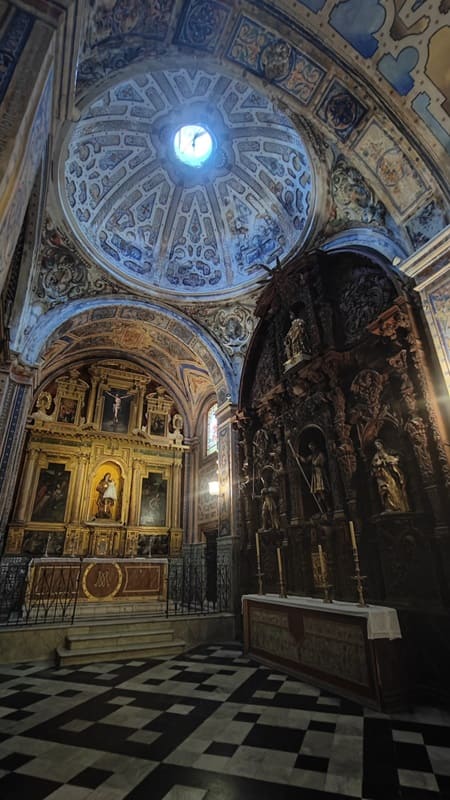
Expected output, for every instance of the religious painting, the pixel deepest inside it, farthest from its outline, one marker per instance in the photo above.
(116, 410)
(34, 543)
(153, 500)
(51, 494)
(158, 424)
(67, 410)
(148, 545)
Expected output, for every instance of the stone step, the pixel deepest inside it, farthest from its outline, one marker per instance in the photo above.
(140, 624)
(93, 655)
(76, 641)
(107, 610)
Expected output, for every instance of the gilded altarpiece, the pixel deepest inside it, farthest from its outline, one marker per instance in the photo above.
(100, 477)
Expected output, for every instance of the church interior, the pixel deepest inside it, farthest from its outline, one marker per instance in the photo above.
(224, 399)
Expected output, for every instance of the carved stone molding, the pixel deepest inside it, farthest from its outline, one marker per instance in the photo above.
(64, 275)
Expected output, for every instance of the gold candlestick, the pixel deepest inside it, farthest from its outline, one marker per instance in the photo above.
(259, 574)
(324, 575)
(281, 573)
(352, 534)
(357, 576)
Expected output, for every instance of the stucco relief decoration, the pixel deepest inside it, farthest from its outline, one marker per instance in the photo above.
(179, 228)
(202, 23)
(118, 33)
(391, 166)
(341, 110)
(369, 409)
(12, 42)
(258, 49)
(354, 200)
(439, 299)
(427, 223)
(232, 325)
(362, 294)
(63, 275)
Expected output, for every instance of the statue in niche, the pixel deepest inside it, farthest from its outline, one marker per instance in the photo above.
(390, 479)
(319, 483)
(270, 512)
(296, 341)
(107, 496)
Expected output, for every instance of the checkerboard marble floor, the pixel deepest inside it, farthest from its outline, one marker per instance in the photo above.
(210, 725)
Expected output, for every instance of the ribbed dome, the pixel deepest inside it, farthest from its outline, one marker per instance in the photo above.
(180, 227)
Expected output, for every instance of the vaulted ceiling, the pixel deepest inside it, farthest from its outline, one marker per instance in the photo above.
(329, 123)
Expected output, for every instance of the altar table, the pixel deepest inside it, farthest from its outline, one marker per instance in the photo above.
(351, 650)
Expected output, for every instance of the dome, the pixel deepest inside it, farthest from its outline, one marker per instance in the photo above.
(185, 182)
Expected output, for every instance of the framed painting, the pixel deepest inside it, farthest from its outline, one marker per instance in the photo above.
(51, 494)
(34, 543)
(158, 424)
(116, 410)
(153, 500)
(67, 410)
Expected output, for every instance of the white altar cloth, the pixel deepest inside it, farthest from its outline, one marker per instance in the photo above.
(382, 622)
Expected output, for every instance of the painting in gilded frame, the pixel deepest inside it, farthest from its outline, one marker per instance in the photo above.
(153, 500)
(67, 410)
(51, 494)
(116, 410)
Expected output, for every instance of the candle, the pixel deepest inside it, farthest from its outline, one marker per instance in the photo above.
(322, 563)
(258, 554)
(280, 564)
(352, 534)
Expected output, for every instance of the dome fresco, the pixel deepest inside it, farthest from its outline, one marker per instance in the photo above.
(182, 222)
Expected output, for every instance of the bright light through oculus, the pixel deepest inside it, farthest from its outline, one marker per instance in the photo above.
(193, 145)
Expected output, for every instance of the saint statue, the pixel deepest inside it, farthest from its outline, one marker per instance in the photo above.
(319, 479)
(390, 479)
(270, 513)
(107, 496)
(296, 341)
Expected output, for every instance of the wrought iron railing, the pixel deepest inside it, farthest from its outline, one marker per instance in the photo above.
(45, 596)
(193, 589)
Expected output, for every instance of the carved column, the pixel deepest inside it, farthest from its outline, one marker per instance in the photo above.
(228, 474)
(175, 513)
(80, 485)
(429, 269)
(15, 401)
(139, 406)
(191, 462)
(92, 399)
(23, 512)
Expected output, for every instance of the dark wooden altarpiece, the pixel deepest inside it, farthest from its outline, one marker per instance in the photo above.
(364, 373)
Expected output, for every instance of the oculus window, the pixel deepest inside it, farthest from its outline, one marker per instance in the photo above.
(193, 145)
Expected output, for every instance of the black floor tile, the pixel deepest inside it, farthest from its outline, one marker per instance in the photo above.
(316, 763)
(326, 727)
(412, 756)
(221, 749)
(15, 785)
(380, 777)
(274, 738)
(244, 717)
(91, 777)
(14, 761)
(20, 699)
(18, 716)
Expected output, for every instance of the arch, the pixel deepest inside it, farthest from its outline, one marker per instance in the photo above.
(192, 336)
